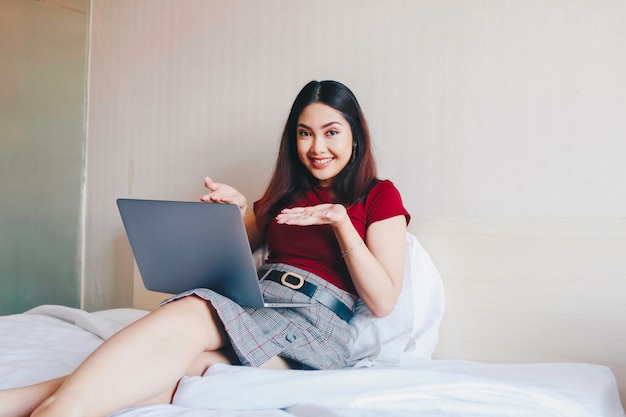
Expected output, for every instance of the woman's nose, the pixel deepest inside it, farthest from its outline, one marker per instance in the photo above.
(319, 145)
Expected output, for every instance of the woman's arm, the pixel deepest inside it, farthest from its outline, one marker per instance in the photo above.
(376, 266)
(255, 237)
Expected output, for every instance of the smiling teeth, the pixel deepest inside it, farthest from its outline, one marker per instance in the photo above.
(322, 161)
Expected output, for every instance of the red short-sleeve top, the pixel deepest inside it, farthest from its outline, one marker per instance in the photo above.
(315, 248)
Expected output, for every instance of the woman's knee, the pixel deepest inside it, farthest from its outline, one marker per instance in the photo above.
(198, 313)
(188, 307)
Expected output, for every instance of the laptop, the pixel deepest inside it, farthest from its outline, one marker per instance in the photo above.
(181, 245)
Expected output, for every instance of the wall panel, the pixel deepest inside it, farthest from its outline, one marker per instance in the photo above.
(42, 136)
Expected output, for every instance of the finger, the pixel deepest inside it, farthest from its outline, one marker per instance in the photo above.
(207, 197)
(293, 210)
(208, 183)
(297, 213)
(301, 219)
(217, 198)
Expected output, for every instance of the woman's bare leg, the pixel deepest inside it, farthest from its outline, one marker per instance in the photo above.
(20, 402)
(198, 368)
(203, 363)
(140, 363)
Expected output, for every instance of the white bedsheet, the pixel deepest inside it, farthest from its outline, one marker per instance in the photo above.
(51, 340)
(449, 387)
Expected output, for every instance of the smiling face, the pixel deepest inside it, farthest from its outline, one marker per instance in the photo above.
(324, 142)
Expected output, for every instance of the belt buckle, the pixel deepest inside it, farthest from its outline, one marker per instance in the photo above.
(283, 280)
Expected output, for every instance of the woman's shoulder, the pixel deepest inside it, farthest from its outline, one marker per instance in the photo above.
(383, 187)
(384, 201)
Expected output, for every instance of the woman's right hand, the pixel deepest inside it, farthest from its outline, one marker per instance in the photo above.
(223, 194)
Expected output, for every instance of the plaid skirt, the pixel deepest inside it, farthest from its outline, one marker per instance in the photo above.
(314, 337)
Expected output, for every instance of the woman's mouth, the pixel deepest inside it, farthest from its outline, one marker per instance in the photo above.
(320, 163)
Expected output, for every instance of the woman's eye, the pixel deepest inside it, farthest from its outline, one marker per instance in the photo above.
(303, 133)
(333, 132)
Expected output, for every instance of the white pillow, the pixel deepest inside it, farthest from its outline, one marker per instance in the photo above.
(412, 328)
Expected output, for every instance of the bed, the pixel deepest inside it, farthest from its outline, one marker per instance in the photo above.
(395, 374)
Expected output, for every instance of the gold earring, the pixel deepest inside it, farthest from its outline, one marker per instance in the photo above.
(353, 152)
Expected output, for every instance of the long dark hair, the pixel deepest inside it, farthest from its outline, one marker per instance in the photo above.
(291, 179)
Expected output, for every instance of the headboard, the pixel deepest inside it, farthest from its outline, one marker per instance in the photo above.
(531, 289)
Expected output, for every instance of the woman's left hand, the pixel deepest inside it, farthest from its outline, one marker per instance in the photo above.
(333, 214)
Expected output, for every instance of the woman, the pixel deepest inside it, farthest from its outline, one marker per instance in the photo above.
(334, 232)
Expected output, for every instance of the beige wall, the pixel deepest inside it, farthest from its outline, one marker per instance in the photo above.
(43, 74)
(500, 121)
(478, 108)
